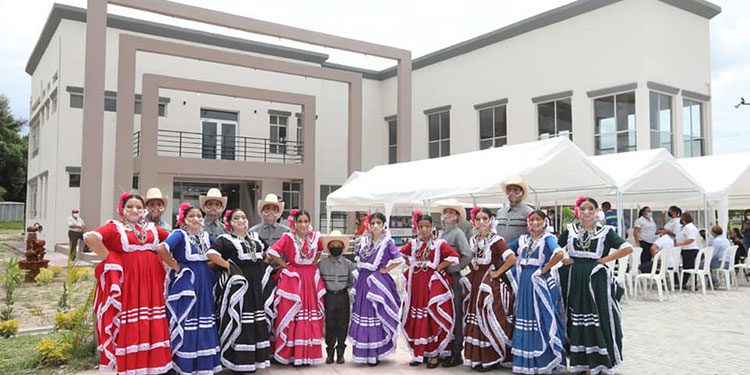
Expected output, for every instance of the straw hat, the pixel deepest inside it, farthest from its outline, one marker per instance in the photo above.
(335, 235)
(155, 193)
(271, 199)
(518, 181)
(454, 204)
(213, 194)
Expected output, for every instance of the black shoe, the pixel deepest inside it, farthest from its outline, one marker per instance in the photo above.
(415, 363)
(329, 356)
(484, 369)
(453, 361)
(340, 358)
(432, 363)
(373, 364)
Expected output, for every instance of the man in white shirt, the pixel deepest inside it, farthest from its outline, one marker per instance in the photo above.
(75, 233)
(663, 243)
(721, 245)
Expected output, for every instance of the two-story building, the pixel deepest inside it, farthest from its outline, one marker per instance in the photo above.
(613, 75)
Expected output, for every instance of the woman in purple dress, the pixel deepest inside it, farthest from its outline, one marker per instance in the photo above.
(375, 318)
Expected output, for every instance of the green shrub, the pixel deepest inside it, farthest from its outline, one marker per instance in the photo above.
(8, 328)
(45, 276)
(53, 352)
(69, 320)
(12, 278)
(57, 270)
(80, 273)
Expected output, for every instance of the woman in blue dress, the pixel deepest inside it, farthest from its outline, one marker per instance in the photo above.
(190, 297)
(539, 332)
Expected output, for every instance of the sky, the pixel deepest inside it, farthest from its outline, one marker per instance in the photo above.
(421, 26)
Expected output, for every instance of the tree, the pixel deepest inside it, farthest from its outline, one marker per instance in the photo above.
(13, 154)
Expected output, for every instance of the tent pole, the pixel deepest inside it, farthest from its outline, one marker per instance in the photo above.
(328, 221)
(705, 213)
(620, 218)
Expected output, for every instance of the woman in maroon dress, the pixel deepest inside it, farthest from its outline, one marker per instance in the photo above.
(427, 314)
(131, 325)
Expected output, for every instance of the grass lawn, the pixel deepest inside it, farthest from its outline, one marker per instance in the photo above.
(11, 227)
(18, 356)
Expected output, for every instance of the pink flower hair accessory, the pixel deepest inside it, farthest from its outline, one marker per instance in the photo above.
(578, 204)
(367, 222)
(414, 216)
(226, 221)
(121, 202)
(473, 214)
(292, 217)
(181, 212)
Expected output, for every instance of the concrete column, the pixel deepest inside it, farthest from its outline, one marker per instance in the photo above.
(93, 115)
(642, 118)
(403, 107)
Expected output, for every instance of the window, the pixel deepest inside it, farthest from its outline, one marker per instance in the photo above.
(76, 100)
(614, 123)
(279, 126)
(110, 104)
(135, 181)
(493, 127)
(661, 121)
(291, 195)
(692, 128)
(219, 131)
(439, 134)
(32, 202)
(34, 136)
(392, 141)
(162, 108)
(300, 137)
(74, 180)
(555, 118)
(338, 219)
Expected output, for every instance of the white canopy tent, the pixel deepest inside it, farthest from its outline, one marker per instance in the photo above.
(648, 178)
(555, 170)
(725, 179)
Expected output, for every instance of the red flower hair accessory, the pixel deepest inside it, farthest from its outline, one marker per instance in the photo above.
(184, 206)
(578, 203)
(473, 214)
(120, 203)
(292, 216)
(414, 216)
(227, 216)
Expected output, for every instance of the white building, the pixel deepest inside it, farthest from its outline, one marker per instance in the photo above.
(613, 75)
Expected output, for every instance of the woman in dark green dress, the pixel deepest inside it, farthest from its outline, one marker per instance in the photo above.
(591, 295)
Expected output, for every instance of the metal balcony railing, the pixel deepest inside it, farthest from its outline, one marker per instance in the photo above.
(224, 147)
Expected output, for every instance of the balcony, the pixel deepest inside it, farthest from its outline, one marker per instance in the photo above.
(223, 147)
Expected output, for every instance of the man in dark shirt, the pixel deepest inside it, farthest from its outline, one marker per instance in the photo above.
(337, 275)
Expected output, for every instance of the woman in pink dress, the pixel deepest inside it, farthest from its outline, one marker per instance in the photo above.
(298, 302)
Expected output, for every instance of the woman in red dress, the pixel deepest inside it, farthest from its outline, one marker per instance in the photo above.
(427, 314)
(131, 325)
(298, 302)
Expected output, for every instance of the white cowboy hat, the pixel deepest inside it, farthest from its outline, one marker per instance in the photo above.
(271, 199)
(213, 194)
(453, 204)
(155, 193)
(518, 181)
(335, 235)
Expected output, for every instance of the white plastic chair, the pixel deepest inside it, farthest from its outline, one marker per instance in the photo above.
(635, 261)
(621, 274)
(742, 268)
(724, 267)
(674, 258)
(700, 272)
(657, 275)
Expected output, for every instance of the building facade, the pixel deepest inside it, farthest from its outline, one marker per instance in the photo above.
(614, 76)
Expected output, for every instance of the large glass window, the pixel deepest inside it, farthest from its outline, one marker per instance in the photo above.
(279, 125)
(219, 133)
(493, 127)
(439, 134)
(661, 121)
(33, 195)
(338, 219)
(392, 142)
(34, 136)
(555, 118)
(290, 193)
(692, 128)
(614, 123)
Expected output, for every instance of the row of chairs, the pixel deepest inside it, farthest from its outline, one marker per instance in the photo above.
(667, 265)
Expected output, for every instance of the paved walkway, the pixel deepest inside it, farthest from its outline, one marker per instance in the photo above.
(688, 334)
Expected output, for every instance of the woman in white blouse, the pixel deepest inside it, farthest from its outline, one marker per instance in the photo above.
(687, 238)
(645, 233)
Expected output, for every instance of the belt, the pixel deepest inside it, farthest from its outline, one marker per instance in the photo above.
(342, 291)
